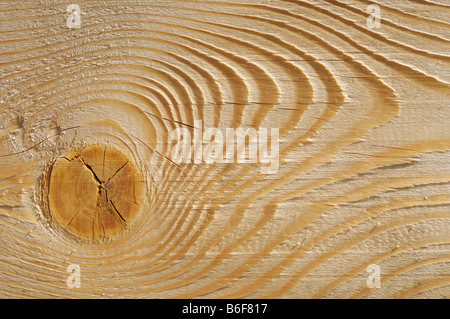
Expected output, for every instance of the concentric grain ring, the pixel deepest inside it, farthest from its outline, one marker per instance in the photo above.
(94, 194)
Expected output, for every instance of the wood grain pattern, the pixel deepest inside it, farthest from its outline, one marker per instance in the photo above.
(364, 125)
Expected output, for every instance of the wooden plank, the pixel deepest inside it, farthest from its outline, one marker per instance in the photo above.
(96, 184)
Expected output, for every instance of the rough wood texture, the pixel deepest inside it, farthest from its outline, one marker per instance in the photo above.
(364, 132)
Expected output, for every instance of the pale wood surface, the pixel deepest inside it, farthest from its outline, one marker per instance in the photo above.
(364, 146)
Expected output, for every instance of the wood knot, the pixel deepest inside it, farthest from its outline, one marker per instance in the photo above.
(94, 194)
